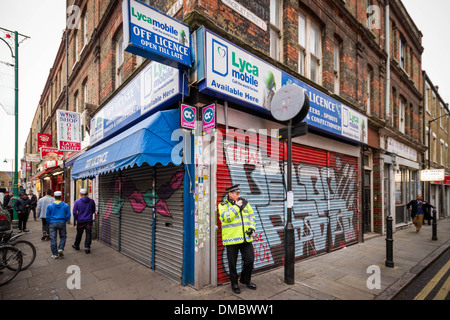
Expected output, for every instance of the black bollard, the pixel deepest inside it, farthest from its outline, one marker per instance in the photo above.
(434, 236)
(389, 243)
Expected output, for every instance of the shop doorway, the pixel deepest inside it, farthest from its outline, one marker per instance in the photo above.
(367, 202)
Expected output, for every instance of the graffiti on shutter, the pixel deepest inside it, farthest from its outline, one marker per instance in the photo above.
(325, 211)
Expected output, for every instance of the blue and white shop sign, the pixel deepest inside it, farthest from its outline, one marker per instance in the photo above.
(149, 33)
(236, 75)
(156, 87)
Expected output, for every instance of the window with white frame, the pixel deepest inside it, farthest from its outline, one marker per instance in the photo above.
(369, 94)
(310, 53)
(427, 94)
(427, 130)
(276, 26)
(434, 147)
(441, 150)
(75, 97)
(337, 68)
(76, 52)
(446, 155)
(86, 92)
(85, 30)
(401, 51)
(119, 59)
(401, 115)
(441, 114)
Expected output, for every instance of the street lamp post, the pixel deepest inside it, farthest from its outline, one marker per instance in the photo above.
(15, 55)
(429, 149)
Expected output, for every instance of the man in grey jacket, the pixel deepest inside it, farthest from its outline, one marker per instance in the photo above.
(41, 210)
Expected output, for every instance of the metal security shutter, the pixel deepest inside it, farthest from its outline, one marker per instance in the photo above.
(137, 213)
(325, 211)
(309, 184)
(109, 210)
(344, 217)
(325, 215)
(169, 221)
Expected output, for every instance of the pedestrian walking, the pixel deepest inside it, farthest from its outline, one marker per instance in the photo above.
(41, 212)
(33, 203)
(418, 209)
(83, 214)
(22, 207)
(238, 229)
(57, 215)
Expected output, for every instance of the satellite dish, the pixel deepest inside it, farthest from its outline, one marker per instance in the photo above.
(290, 102)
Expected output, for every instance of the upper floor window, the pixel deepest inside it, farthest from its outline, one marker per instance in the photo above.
(85, 29)
(402, 52)
(401, 115)
(310, 53)
(276, 29)
(119, 59)
(336, 66)
(369, 90)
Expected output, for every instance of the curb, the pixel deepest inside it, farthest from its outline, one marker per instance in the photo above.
(414, 272)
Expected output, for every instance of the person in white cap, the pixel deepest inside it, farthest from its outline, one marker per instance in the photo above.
(57, 215)
(83, 212)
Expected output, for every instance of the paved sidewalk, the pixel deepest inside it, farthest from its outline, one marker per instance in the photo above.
(342, 275)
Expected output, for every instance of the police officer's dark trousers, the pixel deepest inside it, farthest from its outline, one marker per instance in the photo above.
(248, 257)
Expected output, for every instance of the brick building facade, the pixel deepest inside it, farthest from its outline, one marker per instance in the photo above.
(341, 49)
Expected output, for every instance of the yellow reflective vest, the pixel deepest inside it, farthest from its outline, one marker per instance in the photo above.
(236, 222)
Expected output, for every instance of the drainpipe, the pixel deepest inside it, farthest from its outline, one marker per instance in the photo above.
(388, 62)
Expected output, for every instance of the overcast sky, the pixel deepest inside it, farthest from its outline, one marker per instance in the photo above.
(44, 21)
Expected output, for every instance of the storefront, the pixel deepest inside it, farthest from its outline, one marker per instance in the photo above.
(50, 177)
(402, 174)
(139, 173)
(247, 151)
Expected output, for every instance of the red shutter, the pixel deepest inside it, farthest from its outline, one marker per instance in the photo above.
(325, 192)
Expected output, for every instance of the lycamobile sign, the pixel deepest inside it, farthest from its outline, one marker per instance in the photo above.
(233, 72)
(154, 35)
(236, 75)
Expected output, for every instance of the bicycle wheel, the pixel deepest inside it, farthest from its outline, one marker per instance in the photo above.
(28, 252)
(10, 263)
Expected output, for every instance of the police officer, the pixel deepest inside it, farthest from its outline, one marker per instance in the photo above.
(238, 229)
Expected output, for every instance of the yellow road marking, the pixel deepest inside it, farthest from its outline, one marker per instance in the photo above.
(427, 289)
(443, 291)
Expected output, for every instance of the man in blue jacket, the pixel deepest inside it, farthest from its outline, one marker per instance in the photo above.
(57, 215)
(83, 212)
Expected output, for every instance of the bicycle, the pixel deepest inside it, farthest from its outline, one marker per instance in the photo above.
(10, 263)
(27, 249)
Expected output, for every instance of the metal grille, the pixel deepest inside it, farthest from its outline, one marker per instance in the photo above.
(137, 213)
(169, 221)
(325, 189)
(109, 209)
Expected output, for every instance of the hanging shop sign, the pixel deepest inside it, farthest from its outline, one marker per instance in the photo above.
(29, 157)
(209, 118)
(44, 140)
(51, 154)
(188, 117)
(156, 36)
(154, 88)
(69, 130)
(236, 75)
(432, 175)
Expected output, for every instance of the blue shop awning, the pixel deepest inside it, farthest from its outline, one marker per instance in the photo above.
(149, 141)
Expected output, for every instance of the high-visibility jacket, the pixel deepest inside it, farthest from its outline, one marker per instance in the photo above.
(236, 222)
